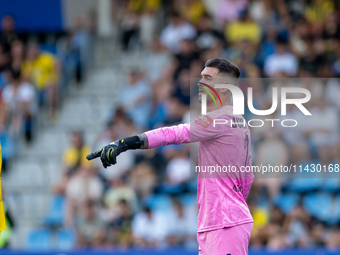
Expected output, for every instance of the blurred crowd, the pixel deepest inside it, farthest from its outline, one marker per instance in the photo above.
(148, 198)
(35, 72)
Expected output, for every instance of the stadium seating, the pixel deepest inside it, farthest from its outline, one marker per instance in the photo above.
(287, 201)
(332, 181)
(305, 181)
(39, 239)
(319, 205)
(55, 216)
(334, 218)
(65, 239)
(159, 202)
(188, 199)
(6, 146)
(192, 185)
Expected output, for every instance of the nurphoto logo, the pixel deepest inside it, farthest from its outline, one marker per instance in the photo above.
(239, 102)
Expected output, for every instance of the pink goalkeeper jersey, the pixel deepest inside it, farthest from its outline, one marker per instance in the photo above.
(225, 150)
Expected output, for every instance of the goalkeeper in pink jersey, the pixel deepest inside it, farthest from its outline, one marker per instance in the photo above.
(224, 221)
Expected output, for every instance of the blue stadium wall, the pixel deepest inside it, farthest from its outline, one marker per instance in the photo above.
(34, 15)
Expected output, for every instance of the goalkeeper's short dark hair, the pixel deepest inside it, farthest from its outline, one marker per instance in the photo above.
(226, 68)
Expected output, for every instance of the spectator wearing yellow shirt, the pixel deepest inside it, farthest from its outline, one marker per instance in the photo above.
(319, 10)
(192, 10)
(73, 158)
(243, 29)
(41, 69)
(143, 5)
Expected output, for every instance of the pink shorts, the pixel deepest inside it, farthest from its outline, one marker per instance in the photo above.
(225, 241)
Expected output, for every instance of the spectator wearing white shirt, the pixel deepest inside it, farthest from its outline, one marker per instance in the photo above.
(158, 59)
(135, 99)
(150, 228)
(175, 32)
(281, 61)
(20, 105)
(84, 186)
(183, 226)
(178, 169)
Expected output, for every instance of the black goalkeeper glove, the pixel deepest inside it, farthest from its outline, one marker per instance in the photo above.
(108, 154)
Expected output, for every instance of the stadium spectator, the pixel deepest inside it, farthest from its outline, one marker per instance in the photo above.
(243, 29)
(178, 168)
(261, 220)
(274, 152)
(80, 46)
(90, 228)
(318, 10)
(161, 92)
(119, 125)
(295, 138)
(176, 31)
(272, 234)
(318, 234)
(158, 59)
(119, 191)
(182, 87)
(4, 64)
(185, 57)
(208, 37)
(8, 35)
(129, 27)
(120, 229)
(19, 106)
(262, 11)
(42, 70)
(83, 186)
(17, 55)
(149, 228)
(281, 61)
(322, 136)
(182, 226)
(229, 10)
(143, 179)
(73, 158)
(332, 241)
(332, 90)
(135, 99)
(148, 24)
(192, 10)
(297, 227)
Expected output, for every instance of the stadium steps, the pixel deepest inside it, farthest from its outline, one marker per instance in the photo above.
(27, 185)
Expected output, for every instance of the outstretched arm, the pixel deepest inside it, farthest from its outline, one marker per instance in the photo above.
(182, 133)
(148, 140)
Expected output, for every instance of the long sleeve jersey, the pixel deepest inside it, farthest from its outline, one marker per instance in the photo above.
(224, 171)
